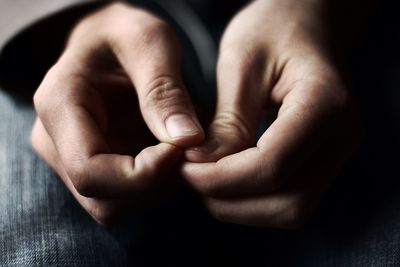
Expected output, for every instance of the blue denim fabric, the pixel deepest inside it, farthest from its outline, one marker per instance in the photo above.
(358, 223)
(40, 223)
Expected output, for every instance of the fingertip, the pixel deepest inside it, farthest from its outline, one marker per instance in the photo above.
(155, 159)
(167, 150)
(127, 165)
(206, 152)
(183, 130)
(187, 141)
(192, 155)
(197, 156)
(202, 177)
(190, 170)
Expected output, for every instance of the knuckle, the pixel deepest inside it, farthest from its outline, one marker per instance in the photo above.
(155, 28)
(208, 187)
(232, 56)
(245, 58)
(295, 216)
(35, 138)
(326, 89)
(207, 184)
(81, 181)
(270, 174)
(232, 124)
(39, 98)
(218, 212)
(117, 6)
(166, 94)
(37, 101)
(147, 169)
(43, 99)
(148, 30)
(141, 27)
(103, 214)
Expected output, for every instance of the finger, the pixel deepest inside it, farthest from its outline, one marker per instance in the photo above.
(242, 93)
(289, 206)
(82, 147)
(285, 211)
(299, 129)
(149, 52)
(102, 211)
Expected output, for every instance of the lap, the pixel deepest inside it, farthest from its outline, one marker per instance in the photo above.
(40, 223)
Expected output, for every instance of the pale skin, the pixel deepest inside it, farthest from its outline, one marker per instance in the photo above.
(275, 181)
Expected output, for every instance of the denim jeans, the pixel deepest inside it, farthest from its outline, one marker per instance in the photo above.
(357, 224)
(42, 225)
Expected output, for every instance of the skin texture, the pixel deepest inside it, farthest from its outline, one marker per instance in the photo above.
(273, 55)
(110, 114)
(115, 88)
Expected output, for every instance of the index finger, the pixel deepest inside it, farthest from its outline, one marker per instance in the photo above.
(83, 149)
(298, 130)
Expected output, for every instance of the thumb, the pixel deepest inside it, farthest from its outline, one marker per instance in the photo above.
(151, 57)
(240, 102)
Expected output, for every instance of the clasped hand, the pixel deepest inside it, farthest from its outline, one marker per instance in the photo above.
(117, 88)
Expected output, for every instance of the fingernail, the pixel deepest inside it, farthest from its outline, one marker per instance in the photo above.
(181, 125)
(208, 147)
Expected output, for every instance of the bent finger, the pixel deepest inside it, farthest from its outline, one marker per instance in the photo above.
(299, 130)
(149, 52)
(102, 211)
(83, 149)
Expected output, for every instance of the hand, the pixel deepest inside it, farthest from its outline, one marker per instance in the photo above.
(273, 54)
(120, 63)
